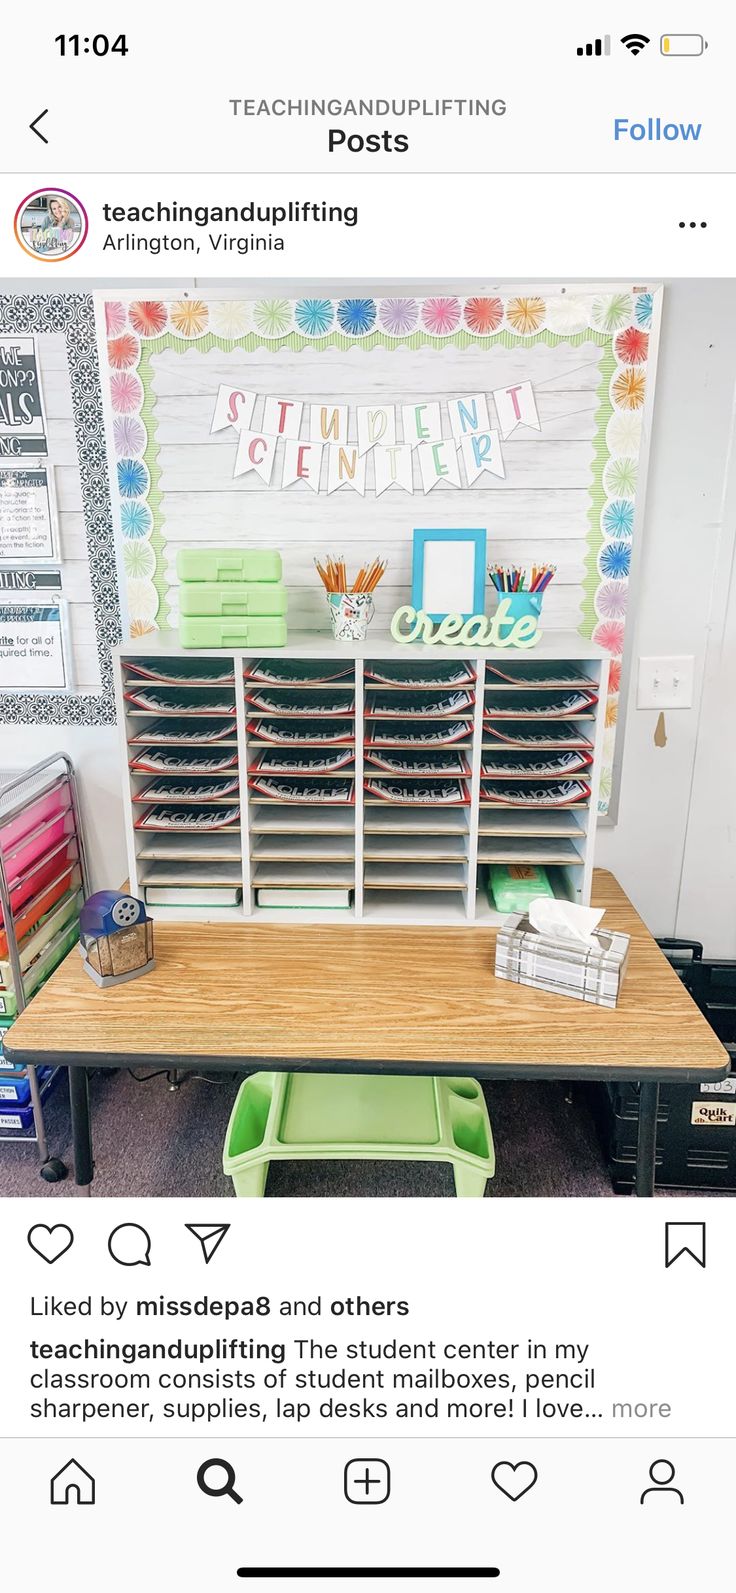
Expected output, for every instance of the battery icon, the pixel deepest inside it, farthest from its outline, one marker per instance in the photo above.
(682, 44)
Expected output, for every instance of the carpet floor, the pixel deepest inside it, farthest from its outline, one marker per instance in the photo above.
(149, 1140)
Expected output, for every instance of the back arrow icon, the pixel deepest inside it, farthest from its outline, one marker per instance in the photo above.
(34, 126)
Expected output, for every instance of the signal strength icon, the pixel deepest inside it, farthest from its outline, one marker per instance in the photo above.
(596, 46)
(634, 42)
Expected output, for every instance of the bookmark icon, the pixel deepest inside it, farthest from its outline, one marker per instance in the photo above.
(210, 1236)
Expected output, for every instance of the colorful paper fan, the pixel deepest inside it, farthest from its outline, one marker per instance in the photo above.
(126, 393)
(139, 559)
(619, 478)
(314, 316)
(440, 316)
(610, 599)
(132, 478)
(483, 315)
(398, 316)
(115, 318)
(129, 435)
(614, 674)
(609, 634)
(568, 313)
(142, 600)
(272, 316)
(189, 317)
(628, 388)
(123, 351)
(614, 560)
(612, 312)
(632, 346)
(356, 316)
(230, 317)
(148, 317)
(136, 519)
(617, 519)
(611, 711)
(623, 433)
(140, 627)
(525, 315)
(644, 309)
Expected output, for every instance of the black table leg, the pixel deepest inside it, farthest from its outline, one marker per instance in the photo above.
(646, 1147)
(81, 1127)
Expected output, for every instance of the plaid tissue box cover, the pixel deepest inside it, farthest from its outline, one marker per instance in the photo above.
(588, 973)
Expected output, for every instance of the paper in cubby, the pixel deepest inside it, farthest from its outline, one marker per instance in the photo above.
(420, 676)
(266, 819)
(209, 846)
(295, 672)
(203, 701)
(538, 704)
(530, 766)
(537, 672)
(411, 847)
(302, 790)
(185, 733)
(395, 733)
(153, 760)
(183, 788)
(309, 847)
(549, 737)
(528, 849)
(382, 819)
(543, 821)
(511, 794)
(420, 705)
(214, 871)
(302, 733)
(191, 819)
(425, 876)
(301, 873)
(408, 763)
(183, 671)
(290, 701)
(431, 792)
(310, 761)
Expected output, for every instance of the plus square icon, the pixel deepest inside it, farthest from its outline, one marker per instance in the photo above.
(367, 1482)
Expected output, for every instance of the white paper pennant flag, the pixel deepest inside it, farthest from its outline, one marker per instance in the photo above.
(233, 407)
(394, 467)
(375, 426)
(282, 417)
(255, 452)
(422, 423)
(302, 462)
(482, 452)
(438, 462)
(516, 406)
(328, 423)
(345, 468)
(468, 415)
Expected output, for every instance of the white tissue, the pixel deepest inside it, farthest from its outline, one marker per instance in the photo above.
(560, 920)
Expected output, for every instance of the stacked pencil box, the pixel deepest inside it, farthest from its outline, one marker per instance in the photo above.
(231, 597)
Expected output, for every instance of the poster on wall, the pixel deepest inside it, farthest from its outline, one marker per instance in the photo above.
(27, 513)
(22, 419)
(32, 654)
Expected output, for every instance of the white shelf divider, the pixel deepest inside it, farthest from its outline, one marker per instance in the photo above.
(474, 809)
(359, 724)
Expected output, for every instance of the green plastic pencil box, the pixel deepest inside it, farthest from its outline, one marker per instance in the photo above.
(206, 600)
(239, 631)
(511, 887)
(228, 564)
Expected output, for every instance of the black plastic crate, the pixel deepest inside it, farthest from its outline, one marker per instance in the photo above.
(696, 1123)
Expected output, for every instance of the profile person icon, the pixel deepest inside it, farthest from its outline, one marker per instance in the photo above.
(662, 1474)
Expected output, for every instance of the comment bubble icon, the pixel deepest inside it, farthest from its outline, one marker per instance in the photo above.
(130, 1245)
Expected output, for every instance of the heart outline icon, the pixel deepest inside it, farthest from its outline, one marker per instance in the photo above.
(59, 1247)
(509, 1468)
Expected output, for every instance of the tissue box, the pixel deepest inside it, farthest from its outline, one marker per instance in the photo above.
(589, 974)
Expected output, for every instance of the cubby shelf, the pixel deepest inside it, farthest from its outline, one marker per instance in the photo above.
(412, 862)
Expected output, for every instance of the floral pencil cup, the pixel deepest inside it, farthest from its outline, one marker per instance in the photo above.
(351, 614)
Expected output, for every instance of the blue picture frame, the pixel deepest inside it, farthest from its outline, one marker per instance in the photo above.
(478, 539)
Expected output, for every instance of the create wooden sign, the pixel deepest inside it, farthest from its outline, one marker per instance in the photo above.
(504, 629)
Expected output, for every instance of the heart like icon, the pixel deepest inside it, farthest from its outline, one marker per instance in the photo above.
(50, 1243)
(514, 1478)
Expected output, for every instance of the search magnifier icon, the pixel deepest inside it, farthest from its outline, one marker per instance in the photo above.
(221, 1485)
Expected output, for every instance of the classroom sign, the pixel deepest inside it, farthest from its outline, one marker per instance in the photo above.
(26, 514)
(329, 448)
(22, 420)
(31, 648)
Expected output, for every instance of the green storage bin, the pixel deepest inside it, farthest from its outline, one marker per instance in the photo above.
(228, 564)
(204, 598)
(237, 632)
(512, 886)
(358, 1116)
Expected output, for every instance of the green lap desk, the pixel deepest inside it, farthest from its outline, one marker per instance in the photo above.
(364, 1117)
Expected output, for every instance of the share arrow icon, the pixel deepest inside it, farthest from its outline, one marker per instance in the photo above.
(210, 1236)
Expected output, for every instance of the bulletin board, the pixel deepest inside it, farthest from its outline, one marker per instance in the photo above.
(560, 479)
(68, 592)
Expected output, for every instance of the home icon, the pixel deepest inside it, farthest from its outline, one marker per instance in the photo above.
(72, 1485)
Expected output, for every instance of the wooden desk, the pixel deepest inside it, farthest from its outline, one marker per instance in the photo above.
(369, 999)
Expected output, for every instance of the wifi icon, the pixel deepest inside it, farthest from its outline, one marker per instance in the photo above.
(634, 42)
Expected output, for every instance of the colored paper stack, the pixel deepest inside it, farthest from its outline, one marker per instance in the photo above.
(231, 597)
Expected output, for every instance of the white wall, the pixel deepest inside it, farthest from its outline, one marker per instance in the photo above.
(674, 845)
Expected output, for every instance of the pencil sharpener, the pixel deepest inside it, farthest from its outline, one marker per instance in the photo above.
(115, 938)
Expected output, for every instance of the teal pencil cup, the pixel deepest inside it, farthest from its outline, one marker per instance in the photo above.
(522, 604)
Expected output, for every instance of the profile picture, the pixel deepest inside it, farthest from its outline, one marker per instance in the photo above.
(51, 224)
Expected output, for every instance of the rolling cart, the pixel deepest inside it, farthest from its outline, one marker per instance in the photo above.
(43, 879)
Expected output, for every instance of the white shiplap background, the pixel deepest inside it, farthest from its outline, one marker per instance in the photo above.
(71, 541)
(540, 511)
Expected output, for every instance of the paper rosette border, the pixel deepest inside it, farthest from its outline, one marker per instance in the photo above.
(619, 322)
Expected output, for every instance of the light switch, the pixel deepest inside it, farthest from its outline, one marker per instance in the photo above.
(665, 683)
